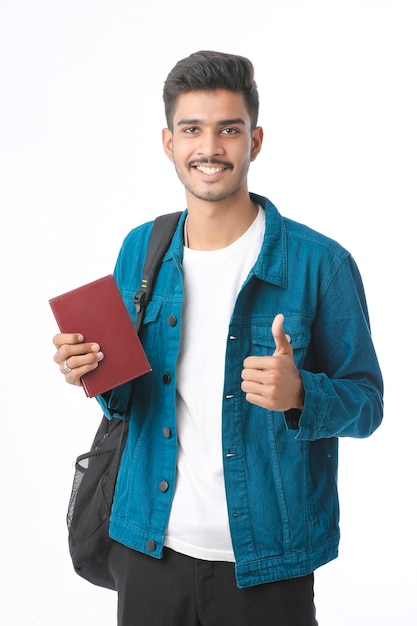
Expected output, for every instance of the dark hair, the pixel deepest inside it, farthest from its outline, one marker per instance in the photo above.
(207, 71)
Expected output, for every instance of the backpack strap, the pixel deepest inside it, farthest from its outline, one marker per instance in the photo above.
(162, 231)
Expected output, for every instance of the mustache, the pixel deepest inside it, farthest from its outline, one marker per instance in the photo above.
(225, 164)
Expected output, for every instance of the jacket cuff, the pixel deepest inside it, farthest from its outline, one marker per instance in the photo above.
(115, 403)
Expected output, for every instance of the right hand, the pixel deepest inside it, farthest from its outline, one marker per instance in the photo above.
(80, 357)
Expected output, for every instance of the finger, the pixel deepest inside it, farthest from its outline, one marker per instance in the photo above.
(258, 394)
(251, 375)
(282, 345)
(260, 370)
(254, 398)
(74, 362)
(66, 350)
(67, 338)
(74, 376)
(261, 363)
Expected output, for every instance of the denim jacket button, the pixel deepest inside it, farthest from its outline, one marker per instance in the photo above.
(166, 379)
(150, 545)
(172, 320)
(163, 486)
(167, 432)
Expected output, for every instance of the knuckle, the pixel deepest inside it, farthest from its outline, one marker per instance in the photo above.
(65, 351)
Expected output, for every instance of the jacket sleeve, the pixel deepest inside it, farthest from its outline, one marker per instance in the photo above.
(344, 389)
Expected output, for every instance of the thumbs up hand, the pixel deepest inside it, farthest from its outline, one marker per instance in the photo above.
(274, 382)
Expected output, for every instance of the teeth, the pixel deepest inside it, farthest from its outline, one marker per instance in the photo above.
(209, 170)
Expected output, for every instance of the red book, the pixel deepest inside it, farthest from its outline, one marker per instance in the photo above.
(98, 312)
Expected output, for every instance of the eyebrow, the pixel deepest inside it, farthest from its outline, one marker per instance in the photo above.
(196, 121)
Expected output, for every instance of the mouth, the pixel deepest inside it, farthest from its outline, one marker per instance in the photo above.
(209, 171)
(209, 168)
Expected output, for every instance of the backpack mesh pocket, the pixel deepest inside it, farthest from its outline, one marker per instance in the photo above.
(92, 491)
(94, 480)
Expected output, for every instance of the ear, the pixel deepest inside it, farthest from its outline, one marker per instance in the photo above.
(257, 138)
(167, 143)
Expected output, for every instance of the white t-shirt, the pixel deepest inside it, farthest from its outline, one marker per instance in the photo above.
(198, 524)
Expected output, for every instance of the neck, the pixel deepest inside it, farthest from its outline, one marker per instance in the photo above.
(215, 225)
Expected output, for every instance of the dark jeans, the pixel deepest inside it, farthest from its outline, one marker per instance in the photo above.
(182, 591)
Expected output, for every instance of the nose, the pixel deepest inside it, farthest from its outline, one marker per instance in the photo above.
(210, 144)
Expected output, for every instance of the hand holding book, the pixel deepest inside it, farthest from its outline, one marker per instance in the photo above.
(97, 311)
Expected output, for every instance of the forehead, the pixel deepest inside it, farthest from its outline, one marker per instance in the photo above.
(210, 106)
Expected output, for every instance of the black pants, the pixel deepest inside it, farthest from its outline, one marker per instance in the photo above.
(182, 591)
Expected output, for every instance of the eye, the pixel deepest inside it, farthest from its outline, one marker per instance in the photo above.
(191, 130)
(230, 131)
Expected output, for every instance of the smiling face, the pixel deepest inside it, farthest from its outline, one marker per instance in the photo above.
(212, 144)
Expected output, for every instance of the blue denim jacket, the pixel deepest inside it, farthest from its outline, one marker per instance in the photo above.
(280, 472)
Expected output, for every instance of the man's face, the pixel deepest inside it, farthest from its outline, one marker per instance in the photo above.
(211, 143)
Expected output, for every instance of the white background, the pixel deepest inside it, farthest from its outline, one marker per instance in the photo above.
(81, 163)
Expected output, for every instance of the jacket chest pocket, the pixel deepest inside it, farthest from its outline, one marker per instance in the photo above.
(297, 330)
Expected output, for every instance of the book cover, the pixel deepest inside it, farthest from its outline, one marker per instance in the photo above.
(97, 311)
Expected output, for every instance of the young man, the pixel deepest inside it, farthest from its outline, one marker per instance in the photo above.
(261, 354)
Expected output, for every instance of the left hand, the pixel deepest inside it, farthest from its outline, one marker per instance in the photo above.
(274, 382)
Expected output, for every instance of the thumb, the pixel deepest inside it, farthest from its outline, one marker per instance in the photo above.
(282, 345)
